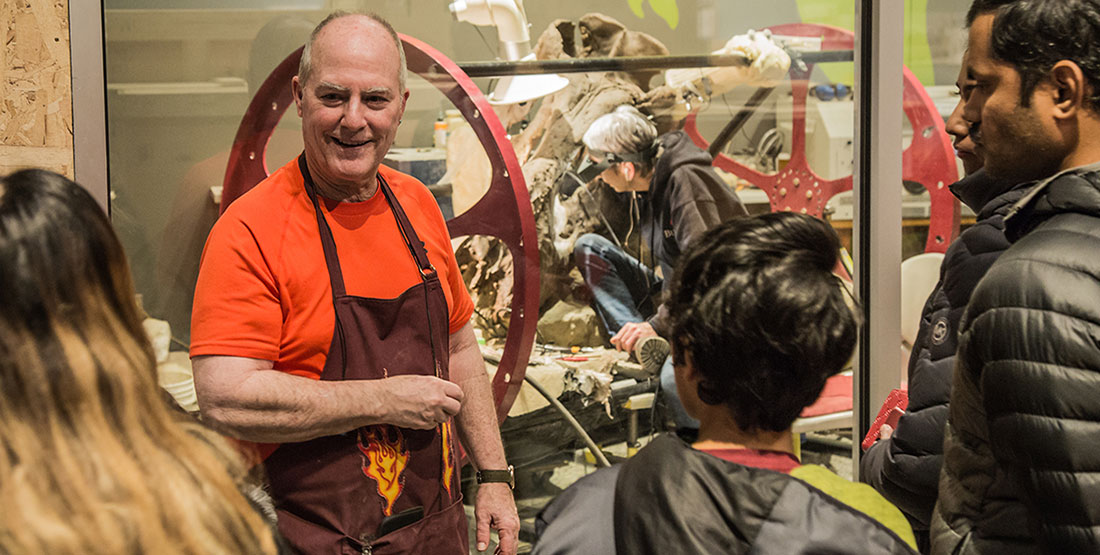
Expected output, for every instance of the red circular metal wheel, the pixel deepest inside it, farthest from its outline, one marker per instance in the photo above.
(929, 159)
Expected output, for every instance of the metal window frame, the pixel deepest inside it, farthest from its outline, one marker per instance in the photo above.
(89, 86)
(878, 197)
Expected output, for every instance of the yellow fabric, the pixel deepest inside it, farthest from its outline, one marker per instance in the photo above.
(860, 497)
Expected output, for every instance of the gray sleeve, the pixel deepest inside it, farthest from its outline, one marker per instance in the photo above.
(660, 322)
(580, 519)
(872, 462)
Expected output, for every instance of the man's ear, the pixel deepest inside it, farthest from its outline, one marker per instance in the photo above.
(628, 170)
(1069, 88)
(296, 92)
(690, 371)
(404, 103)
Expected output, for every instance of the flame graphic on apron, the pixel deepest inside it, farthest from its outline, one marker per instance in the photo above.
(448, 457)
(384, 461)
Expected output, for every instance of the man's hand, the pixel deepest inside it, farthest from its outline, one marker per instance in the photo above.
(885, 431)
(630, 333)
(495, 508)
(419, 402)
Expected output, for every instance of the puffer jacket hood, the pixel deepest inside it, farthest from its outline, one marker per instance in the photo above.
(1072, 191)
(978, 191)
(675, 150)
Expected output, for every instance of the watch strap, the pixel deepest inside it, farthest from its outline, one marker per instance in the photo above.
(496, 476)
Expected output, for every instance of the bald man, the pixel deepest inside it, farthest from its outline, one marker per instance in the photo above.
(331, 326)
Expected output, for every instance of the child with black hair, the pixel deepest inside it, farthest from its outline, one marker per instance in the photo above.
(759, 324)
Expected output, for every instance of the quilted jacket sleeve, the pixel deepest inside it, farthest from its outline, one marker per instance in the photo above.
(1041, 384)
(906, 467)
(1025, 431)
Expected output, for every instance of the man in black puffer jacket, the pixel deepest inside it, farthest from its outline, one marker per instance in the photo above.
(1020, 458)
(905, 467)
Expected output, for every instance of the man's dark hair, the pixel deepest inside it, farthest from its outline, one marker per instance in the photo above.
(765, 320)
(1033, 35)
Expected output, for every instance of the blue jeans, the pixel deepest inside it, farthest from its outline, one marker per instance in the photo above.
(622, 286)
(624, 290)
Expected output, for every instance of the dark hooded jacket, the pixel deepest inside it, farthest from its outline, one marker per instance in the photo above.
(906, 467)
(1021, 456)
(671, 499)
(685, 199)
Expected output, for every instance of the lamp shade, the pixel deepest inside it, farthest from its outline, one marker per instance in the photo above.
(521, 88)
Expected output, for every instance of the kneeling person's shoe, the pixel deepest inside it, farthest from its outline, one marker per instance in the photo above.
(651, 352)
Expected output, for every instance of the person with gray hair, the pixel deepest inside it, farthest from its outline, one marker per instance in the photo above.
(681, 198)
(623, 132)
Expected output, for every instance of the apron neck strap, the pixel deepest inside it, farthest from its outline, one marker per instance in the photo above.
(412, 240)
(328, 243)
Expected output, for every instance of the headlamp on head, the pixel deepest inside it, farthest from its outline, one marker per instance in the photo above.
(594, 163)
(587, 170)
(612, 158)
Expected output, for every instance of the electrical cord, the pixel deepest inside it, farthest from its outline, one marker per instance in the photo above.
(741, 131)
(603, 218)
(492, 51)
(648, 282)
(632, 214)
(601, 459)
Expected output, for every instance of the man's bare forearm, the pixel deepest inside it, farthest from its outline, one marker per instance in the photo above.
(477, 422)
(247, 399)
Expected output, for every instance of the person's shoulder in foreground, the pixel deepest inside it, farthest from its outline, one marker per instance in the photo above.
(671, 498)
(759, 291)
(1037, 389)
(91, 452)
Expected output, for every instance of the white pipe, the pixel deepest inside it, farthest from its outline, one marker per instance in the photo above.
(506, 15)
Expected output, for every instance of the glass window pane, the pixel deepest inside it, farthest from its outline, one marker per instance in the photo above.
(181, 75)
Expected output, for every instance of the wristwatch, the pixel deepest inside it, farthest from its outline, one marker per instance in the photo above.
(493, 476)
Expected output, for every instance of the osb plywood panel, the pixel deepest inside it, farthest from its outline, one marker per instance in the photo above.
(36, 121)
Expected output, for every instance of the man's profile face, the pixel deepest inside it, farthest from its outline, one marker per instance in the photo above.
(959, 129)
(1016, 141)
(351, 104)
(615, 179)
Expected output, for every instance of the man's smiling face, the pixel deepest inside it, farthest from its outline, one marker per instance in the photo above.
(351, 103)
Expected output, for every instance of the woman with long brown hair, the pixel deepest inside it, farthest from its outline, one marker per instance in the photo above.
(92, 458)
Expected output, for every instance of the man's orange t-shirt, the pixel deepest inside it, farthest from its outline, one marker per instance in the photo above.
(263, 290)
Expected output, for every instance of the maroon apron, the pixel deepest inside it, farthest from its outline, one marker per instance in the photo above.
(333, 492)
